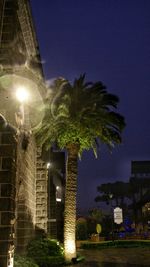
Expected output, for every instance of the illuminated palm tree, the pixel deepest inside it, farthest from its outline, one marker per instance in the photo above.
(78, 117)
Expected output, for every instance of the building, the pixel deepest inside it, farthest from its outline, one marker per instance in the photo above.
(23, 173)
(140, 177)
(56, 183)
(140, 169)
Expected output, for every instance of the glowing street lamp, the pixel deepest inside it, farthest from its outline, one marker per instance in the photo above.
(48, 165)
(22, 96)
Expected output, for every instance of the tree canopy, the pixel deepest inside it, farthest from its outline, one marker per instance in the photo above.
(80, 113)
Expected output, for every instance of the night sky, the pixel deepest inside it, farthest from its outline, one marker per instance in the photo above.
(109, 40)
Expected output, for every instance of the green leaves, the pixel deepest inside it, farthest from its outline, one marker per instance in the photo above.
(80, 113)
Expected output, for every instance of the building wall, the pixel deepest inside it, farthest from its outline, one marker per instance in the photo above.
(41, 194)
(52, 220)
(8, 148)
(23, 175)
(56, 184)
(140, 169)
(26, 193)
(11, 41)
(18, 184)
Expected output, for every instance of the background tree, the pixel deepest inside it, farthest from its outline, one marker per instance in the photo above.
(118, 191)
(130, 196)
(96, 214)
(78, 116)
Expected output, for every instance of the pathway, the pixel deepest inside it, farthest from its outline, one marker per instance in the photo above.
(116, 257)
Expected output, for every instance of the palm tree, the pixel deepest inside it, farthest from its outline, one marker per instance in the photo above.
(78, 117)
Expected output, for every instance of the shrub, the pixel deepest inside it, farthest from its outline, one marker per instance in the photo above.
(81, 229)
(21, 261)
(45, 252)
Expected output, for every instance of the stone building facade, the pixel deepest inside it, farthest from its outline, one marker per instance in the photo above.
(8, 149)
(23, 174)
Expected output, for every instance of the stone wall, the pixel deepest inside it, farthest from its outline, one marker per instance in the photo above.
(17, 191)
(23, 191)
(26, 192)
(8, 149)
(23, 174)
(52, 222)
(41, 194)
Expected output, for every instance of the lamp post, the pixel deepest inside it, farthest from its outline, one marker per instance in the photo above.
(112, 218)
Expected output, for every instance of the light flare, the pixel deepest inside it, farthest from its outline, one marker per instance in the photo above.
(70, 248)
(22, 94)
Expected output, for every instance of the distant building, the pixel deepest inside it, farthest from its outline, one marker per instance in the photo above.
(140, 175)
(56, 182)
(140, 169)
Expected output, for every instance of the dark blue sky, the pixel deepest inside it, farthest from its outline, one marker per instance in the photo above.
(109, 40)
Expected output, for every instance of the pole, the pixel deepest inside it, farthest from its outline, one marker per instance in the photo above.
(112, 221)
(112, 217)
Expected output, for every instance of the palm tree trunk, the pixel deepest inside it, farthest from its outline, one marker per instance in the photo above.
(70, 202)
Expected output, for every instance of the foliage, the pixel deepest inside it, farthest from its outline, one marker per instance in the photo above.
(106, 225)
(81, 229)
(80, 113)
(116, 243)
(137, 191)
(91, 226)
(96, 214)
(95, 217)
(21, 261)
(78, 117)
(118, 190)
(45, 252)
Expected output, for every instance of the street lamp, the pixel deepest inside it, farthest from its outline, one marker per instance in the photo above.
(112, 217)
(22, 96)
(48, 165)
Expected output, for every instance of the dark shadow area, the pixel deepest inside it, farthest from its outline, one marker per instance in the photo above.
(106, 264)
(115, 264)
(115, 257)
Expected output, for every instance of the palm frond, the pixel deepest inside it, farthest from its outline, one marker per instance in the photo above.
(80, 113)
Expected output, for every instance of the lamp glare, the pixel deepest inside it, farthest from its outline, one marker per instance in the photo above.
(22, 94)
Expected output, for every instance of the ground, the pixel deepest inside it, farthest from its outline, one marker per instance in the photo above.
(116, 257)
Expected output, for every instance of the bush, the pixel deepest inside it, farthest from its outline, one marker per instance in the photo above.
(20, 261)
(45, 252)
(81, 229)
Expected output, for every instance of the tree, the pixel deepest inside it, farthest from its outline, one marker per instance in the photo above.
(118, 190)
(81, 229)
(78, 117)
(96, 214)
